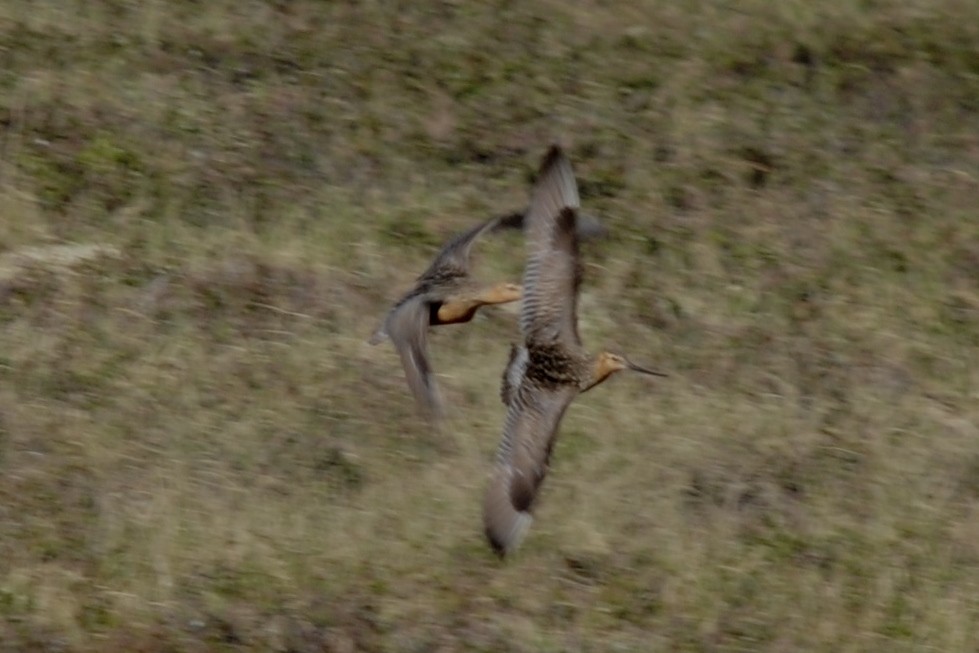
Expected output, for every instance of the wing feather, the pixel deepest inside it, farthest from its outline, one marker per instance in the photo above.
(589, 227)
(529, 432)
(552, 278)
(407, 326)
(455, 255)
(553, 271)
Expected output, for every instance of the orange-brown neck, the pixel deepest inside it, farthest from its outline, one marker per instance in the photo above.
(501, 293)
(455, 311)
(602, 367)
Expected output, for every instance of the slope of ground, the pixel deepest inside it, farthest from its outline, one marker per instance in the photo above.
(199, 451)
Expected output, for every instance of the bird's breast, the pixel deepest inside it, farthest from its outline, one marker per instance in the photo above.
(553, 366)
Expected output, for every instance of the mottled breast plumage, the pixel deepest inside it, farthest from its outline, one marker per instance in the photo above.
(552, 365)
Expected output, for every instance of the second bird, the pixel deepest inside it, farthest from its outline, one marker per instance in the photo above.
(446, 293)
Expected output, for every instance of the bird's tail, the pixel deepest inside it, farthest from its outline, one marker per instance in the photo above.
(504, 525)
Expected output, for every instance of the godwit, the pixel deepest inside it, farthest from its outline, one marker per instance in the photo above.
(551, 368)
(444, 294)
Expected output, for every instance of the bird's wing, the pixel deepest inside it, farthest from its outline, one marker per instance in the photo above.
(529, 432)
(407, 326)
(513, 374)
(455, 254)
(553, 272)
(589, 227)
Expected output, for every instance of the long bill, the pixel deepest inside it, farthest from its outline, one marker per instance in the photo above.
(645, 370)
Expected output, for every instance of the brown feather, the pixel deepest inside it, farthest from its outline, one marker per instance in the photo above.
(408, 329)
(552, 274)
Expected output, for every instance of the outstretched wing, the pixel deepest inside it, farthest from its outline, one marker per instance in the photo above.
(588, 228)
(407, 326)
(529, 432)
(455, 254)
(553, 271)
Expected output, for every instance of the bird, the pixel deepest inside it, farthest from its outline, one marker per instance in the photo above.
(445, 293)
(551, 367)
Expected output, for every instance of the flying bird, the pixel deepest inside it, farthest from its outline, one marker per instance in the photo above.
(444, 294)
(447, 294)
(551, 367)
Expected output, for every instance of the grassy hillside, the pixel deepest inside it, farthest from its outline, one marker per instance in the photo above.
(199, 451)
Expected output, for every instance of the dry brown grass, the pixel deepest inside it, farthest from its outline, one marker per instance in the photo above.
(198, 450)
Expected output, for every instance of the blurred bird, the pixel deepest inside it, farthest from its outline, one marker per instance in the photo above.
(446, 294)
(551, 367)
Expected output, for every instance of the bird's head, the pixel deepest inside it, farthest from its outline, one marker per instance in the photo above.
(608, 363)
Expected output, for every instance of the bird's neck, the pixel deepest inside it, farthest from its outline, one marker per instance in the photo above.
(462, 309)
(600, 370)
(499, 294)
(457, 311)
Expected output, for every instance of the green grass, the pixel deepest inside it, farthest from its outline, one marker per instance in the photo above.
(199, 451)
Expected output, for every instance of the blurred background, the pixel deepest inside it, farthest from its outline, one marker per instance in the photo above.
(206, 207)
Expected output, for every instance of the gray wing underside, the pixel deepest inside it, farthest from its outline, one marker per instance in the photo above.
(532, 421)
(552, 273)
(530, 430)
(455, 255)
(407, 326)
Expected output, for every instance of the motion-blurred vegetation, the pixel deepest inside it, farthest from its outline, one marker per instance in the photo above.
(198, 450)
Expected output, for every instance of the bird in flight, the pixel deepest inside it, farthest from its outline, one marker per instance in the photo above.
(551, 367)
